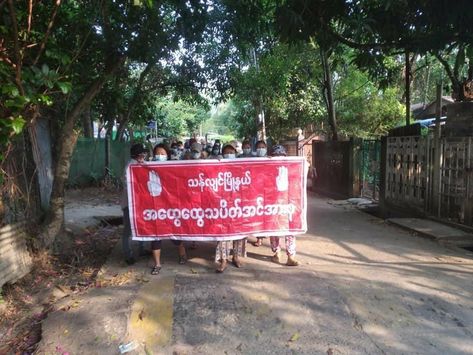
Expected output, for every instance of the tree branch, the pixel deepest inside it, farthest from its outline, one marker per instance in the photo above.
(30, 14)
(48, 31)
(17, 47)
(356, 45)
(461, 52)
(447, 68)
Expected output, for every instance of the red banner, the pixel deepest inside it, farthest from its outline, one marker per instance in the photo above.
(217, 200)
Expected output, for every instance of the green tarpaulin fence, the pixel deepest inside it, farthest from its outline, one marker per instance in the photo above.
(88, 161)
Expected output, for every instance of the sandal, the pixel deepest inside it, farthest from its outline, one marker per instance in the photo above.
(155, 270)
(237, 262)
(291, 261)
(222, 267)
(182, 259)
(259, 242)
(276, 258)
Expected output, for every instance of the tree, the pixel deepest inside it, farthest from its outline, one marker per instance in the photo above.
(80, 46)
(382, 28)
(287, 84)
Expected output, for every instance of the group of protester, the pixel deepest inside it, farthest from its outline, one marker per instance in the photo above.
(225, 250)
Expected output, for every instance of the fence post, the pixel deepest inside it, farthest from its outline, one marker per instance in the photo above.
(468, 183)
(382, 174)
(437, 154)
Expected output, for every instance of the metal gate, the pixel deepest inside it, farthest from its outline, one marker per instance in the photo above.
(370, 163)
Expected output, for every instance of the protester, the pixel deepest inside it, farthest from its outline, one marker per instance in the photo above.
(261, 150)
(176, 153)
(160, 152)
(246, 150)
(138, 153)
(195, 154)
(223, 249)
(208, 148)
(196, 151)
(215, 150)
(290, 241)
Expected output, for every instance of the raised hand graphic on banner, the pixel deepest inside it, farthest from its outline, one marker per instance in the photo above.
(282, 181)
(154, 184)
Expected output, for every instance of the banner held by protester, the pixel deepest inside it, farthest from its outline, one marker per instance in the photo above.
(218, 200)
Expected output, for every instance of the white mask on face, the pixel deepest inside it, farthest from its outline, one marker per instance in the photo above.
(229, 156)
(247, 151)
(160, 157)
(261, 152)
(195, 155)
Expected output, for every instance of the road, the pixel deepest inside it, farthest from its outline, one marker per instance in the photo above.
(363, 287)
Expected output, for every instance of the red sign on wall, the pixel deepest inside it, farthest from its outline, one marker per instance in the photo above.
(217, 200)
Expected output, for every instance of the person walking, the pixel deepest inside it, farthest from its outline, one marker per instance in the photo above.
(261, 150)
(290, 241)
(246, 149)
(161, 154)
(224, 248)
(138, 154)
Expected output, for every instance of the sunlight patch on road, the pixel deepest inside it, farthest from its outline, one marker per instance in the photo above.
(151, 318)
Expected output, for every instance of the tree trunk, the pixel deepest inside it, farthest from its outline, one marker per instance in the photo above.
(67, 142)
(87, 123)
(328, 84)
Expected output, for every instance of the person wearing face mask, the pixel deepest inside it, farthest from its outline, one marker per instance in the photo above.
(194, 154)
(222, 252)
(261, 150)
(246, 148)
(215, 154)
(196, 151)
(279, 151)
(176, 153)
(138, 154)
(161, 154)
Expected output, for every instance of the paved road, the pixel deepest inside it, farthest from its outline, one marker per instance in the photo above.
(363, 287)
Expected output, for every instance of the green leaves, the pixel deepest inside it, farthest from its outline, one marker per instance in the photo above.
(65, 87)
(17, 124)
(10, 126)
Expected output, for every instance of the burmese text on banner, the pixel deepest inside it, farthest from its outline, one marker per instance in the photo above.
(217, 200)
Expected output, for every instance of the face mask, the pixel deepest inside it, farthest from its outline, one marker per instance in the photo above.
(195, 155)
(229, 156)
(247, 151)
(160, 157)
(261, 152)
(215, 152)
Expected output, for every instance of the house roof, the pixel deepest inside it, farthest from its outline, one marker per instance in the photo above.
(421, 111)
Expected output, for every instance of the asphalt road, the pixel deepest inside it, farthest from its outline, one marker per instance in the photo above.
(363, 287)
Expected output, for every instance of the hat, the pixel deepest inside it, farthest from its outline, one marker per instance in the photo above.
(228, 145)
(278, 150)
(197, 147)
(137, 149)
